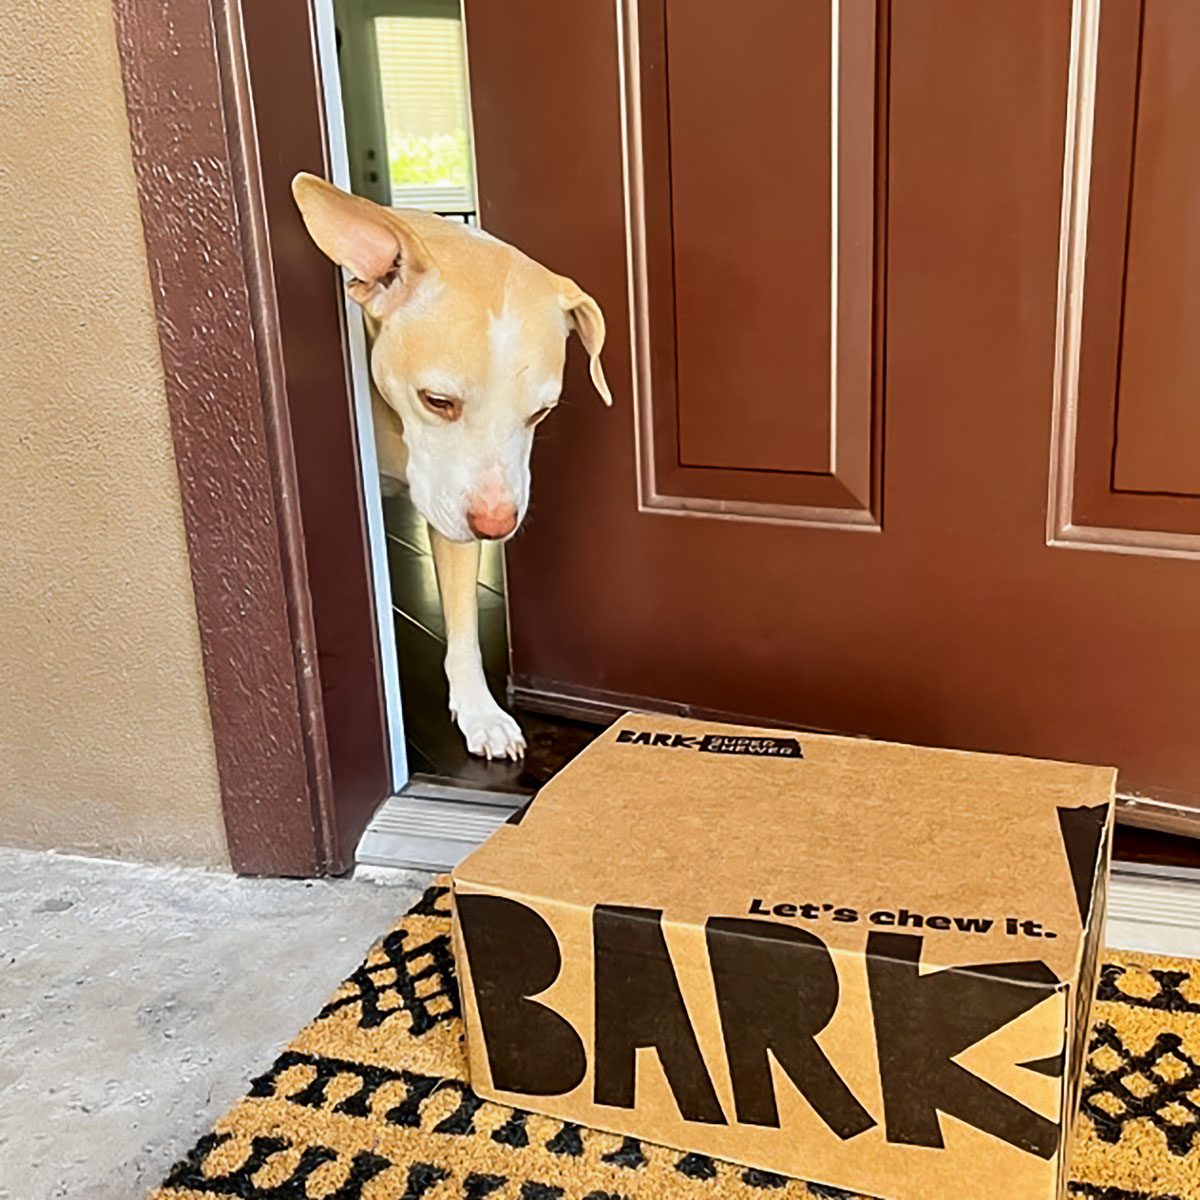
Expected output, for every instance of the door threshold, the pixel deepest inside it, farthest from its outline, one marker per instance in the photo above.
(1155, 910)
(433, 824)
(1159, 871)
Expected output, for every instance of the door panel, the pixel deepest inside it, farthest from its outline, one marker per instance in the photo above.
(1158, 408)
(716, 172)
(1131, 463)
(733, 168)
(952, 577)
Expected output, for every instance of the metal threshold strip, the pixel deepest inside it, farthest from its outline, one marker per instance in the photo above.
(433, 824)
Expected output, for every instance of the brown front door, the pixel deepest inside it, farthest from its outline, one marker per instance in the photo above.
(902, 311)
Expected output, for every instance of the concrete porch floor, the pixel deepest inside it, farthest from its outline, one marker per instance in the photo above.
(136, 1003)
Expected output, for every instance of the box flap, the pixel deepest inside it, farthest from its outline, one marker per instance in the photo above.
(993, 858)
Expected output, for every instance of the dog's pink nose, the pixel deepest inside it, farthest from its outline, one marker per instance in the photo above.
(492, 520)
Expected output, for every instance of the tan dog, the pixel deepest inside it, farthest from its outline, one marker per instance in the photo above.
(468, 340)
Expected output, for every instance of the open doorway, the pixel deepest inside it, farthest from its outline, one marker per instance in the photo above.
(400, 128)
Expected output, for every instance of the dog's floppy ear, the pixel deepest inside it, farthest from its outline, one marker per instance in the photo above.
(374, 244)
(585, 317)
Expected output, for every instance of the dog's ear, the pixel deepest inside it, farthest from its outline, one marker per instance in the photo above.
(374, 244)
(585, 317)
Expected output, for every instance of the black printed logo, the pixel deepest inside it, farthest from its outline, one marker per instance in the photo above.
(776, 988)
(715, 743)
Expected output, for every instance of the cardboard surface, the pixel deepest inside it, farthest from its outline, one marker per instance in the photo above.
(864, 964)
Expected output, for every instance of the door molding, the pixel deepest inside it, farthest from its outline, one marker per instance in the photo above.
(1077, 466)
(262, 423)
(847, 493)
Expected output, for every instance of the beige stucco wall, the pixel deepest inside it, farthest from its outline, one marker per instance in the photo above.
(105, 741)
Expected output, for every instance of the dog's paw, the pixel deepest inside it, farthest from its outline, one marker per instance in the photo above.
(490, 732)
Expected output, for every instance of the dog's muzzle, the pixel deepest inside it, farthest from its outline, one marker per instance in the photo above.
(492, 521)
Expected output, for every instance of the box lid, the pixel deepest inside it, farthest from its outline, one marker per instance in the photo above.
(994, 857)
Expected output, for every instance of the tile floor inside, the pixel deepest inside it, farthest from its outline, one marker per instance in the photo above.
(434, 744)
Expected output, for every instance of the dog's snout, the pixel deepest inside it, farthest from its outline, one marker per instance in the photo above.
(492, 521)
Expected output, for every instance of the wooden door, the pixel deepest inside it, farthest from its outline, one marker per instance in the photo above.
(902, 312)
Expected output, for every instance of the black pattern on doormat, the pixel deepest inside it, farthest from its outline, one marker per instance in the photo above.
(416, 979)
(370, 1102)
(1091, 1191)
(1159, 1086)
(1166, 994)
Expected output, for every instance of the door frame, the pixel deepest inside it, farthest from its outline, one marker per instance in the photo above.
(358, 366)
(271, 459)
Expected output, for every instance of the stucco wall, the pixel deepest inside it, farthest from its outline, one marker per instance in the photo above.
(105, 741)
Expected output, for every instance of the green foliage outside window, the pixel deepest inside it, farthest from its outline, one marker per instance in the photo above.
(429, 160)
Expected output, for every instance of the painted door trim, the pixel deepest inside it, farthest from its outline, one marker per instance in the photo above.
(302, 761)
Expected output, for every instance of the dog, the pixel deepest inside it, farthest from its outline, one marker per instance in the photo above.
(467, 345)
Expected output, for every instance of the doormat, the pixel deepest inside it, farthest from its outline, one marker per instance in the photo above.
(370, 1102)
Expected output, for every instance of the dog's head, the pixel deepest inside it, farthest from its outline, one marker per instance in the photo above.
(469, 340)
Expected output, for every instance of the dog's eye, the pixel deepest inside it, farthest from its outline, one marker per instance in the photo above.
(539, 416)
(444, 406)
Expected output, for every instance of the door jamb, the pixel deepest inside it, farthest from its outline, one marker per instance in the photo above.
(358, 365)
(288, 633)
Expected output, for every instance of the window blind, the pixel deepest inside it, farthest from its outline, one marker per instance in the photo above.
(423, 90)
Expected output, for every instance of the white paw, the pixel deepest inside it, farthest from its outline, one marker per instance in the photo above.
(489, 731)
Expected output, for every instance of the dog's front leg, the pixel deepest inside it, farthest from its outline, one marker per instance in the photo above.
(488, 729)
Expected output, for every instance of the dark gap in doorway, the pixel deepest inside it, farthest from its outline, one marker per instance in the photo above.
(1154, 849)
(435, 746)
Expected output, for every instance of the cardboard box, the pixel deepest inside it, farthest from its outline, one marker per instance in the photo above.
(862, 964)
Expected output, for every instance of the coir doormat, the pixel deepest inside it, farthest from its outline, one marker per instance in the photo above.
(370, 1103)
